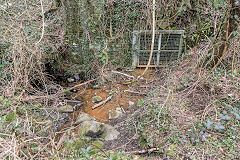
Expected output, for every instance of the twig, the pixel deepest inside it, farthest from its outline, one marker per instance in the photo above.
(225, 47)
(103, 102)
(135, 92)
(124, 74)
(144, 151)
(159, 113)
(43, 25)
(152, 45)
(61, 140)
(79, 85)
(72, 101)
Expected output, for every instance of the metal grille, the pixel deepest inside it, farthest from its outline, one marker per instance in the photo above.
(167, 47)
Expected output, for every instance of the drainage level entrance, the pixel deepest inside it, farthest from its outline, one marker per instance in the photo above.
(167, 47)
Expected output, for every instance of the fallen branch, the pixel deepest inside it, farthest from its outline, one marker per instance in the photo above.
(152, 45)
(102, 103)
(135, 92)
(79, 85)
(28, 98)
(225, 47)
(72, 101)
(61, 140)
(124, 74)
(144, 151)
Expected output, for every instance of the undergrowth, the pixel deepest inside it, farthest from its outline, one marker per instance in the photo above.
(190, 112)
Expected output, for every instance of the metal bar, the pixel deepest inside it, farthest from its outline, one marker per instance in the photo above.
(159, 48)
(149, 51)
(141, 51)
(180, 45)
(135, 49)
(160, 54)
(169, 50)
(163, 31)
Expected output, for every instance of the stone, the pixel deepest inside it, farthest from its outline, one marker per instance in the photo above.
(1, 98)
(67, 93)
(137, 157)
(70, 80)
(96, 87)
(97, 145)
(96, 99)
(110, 133)
(11, 117)
(77, 106)
(131, 103)
(76, 77)
(74, 90)
(113, 114)
(91, 129)
(66, 109)
(83, 117)
(171, 151)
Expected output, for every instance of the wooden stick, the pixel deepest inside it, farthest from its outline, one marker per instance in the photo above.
(101, 103)
(73, 101)
(79, 85)
(135, 92)
(61, 140)
(124, 74)
(144, 151)
(152, 45)
(225, 47)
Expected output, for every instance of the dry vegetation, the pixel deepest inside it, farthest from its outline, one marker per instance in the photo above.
(191, 111)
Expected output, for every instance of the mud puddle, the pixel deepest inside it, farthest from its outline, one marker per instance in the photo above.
(120, 97)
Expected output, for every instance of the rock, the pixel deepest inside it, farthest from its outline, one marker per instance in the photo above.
(113, 114)
(91, 129)
(83, 117)
(11, 117)
(96, 87)
(131, 103)
(70, 80)
(96, 99)
(66, 109)
(171, 151)
(76, 77)
(1, 98)
(97, 145)
(137, 157)
(60, 122)
(77, 106)
(110, 133)
(73, 143)
(67, 93)
(74, 90)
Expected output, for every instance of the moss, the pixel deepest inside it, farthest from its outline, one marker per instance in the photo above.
(74, 145)
(1, 98)
(11, 117)
(79, 143)
(84, 127)
(67, 93)
(143, 140)
(137, 157)
(171, 150)
(82, 130)
(41, 133)
(112, 114)
(96, 99)
(66, 108)
(103, 135)
(97, 145)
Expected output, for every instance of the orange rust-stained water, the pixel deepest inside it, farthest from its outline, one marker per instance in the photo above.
(119, 99)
